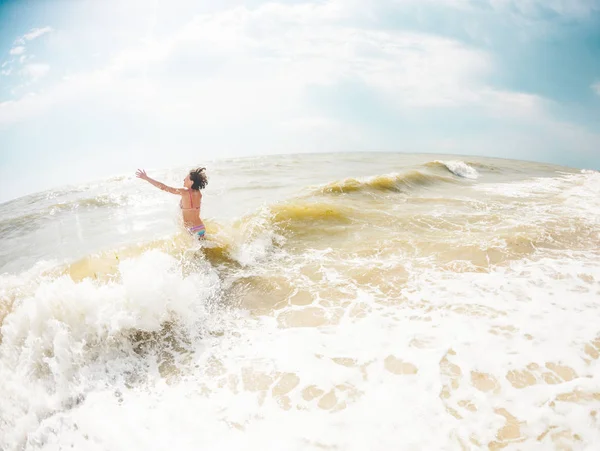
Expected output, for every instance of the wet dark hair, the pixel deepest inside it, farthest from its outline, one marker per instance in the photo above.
(198, 178)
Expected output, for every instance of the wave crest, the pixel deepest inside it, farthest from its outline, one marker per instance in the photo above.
(456, 167)
(382, 183)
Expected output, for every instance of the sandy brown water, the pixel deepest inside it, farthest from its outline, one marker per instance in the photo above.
(341, 301)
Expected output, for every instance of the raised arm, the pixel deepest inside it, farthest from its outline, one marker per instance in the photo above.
(141, 174)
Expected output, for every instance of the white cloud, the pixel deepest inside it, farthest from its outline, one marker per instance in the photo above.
(532, 9)
(8, 65)
(232, 68)
(35, 71)
(34, 34)
(309, 124)
(576, 9)
(596, 87)
(18, 50)
(274, 52)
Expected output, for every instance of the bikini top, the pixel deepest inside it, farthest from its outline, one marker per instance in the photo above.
(191, 203)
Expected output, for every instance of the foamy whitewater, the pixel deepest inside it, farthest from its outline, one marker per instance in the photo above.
(341, 301)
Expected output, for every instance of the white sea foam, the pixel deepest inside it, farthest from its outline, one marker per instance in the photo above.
(254, 239)
(65, 338)
(542, 186)
(561, 198)
(460, 168)
(377, 382)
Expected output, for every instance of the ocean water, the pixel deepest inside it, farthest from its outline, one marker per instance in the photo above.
(340, 302)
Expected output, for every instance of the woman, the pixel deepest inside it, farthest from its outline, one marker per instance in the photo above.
(191, 198)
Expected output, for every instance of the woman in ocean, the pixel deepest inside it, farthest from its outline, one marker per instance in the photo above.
(191, 198)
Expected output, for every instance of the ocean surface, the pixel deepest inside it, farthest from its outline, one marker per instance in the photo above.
(340, 302)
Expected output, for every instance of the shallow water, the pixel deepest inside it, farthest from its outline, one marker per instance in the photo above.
(341, 301)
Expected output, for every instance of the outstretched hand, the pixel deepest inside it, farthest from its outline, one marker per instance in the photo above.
(141, 174)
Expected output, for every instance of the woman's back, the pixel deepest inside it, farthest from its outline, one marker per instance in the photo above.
(190, 207)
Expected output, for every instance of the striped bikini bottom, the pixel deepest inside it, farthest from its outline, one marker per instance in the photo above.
(199, 230)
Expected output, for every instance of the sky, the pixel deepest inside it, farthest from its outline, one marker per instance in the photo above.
(90, 88)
